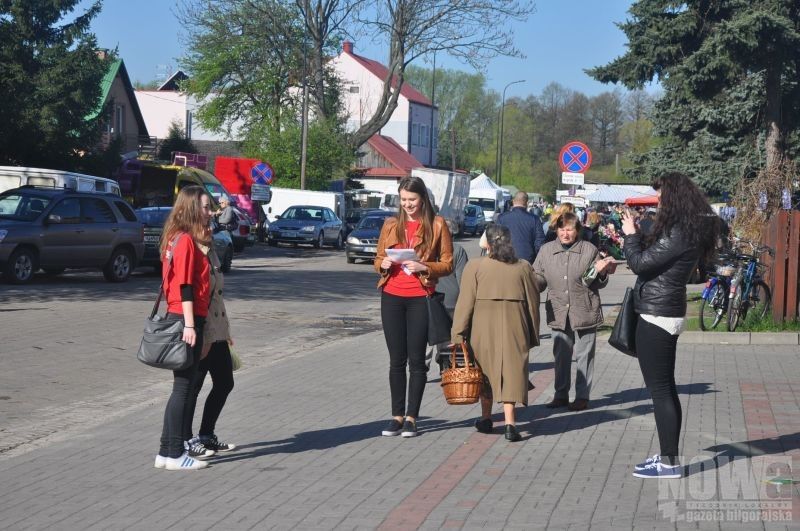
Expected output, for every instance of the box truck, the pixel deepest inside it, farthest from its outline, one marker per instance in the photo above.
(283, 198)
(448, 191)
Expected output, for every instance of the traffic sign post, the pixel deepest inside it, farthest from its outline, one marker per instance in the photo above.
(575, 157)
(262, 173)
(260, 192)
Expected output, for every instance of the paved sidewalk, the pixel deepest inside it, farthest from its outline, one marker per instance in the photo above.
(310, 457)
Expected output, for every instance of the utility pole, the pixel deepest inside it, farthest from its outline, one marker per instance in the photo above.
(304, 125)
(453, 147)
(500, 140)
(433, 107)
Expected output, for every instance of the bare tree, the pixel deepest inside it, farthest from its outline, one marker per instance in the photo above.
(472, 31)
(607, 121)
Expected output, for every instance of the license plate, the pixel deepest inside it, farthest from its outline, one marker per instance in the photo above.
(370, 249)
(151, 238)
(289, 234)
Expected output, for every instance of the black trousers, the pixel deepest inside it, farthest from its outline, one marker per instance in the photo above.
(657, 362)
(405, 327)
(180, 406)
(217, 363)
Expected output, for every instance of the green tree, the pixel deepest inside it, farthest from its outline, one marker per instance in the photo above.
(50, 77)
(729, 70)
(176, 141)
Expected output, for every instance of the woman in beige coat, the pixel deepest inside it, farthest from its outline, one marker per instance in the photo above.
(497, 313)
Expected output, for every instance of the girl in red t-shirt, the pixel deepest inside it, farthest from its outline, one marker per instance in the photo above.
(404, 285)
(186, 276)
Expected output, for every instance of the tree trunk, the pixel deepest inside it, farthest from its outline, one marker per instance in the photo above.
(774, 141)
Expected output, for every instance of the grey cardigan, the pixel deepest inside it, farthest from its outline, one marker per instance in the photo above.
(560, 270)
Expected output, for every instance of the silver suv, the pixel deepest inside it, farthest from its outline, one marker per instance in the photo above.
(59, 229)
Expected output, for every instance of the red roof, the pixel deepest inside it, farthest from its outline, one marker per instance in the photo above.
(393, 153)
(409, 92)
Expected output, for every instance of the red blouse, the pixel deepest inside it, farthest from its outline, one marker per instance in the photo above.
(401, 284)
(190, 267)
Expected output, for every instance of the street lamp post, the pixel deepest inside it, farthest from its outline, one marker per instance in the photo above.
(499, 164)
(304, 125)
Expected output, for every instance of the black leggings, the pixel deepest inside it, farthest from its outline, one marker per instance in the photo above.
(405, 326)
(657, 362)
(218, 363)
(180, 407)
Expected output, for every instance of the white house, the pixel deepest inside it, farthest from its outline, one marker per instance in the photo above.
(413, 124)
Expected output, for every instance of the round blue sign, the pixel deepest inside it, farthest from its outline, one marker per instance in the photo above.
(262, 173)
(575, 157)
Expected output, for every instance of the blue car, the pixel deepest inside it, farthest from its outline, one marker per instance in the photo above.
(313, 225)
(362, 242)
(474, 220)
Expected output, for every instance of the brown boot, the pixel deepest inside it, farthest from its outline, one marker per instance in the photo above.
(578, 405)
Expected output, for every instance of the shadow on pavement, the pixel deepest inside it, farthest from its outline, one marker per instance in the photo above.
(783, 444)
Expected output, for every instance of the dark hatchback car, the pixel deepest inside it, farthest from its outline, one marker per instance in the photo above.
(353, 216)
(314, 225)
(474, 220)
(362, 243)
(56, 229)
(154, 218)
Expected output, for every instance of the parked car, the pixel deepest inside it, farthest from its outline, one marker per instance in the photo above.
(474, 220)
(353, 216)
(245, 233)
(57, 229)
(154, 218)
(315, 225)
(362, 243)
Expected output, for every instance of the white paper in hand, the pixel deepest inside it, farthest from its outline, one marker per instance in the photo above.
(401, 255)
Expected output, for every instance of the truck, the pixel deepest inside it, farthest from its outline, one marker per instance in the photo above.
(283, 198)
(491, 201)
(448, 191)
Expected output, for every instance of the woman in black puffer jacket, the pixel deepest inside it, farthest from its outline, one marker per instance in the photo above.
(685, 231)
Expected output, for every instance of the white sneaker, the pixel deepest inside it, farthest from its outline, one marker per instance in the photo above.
(161, 461)
(184, 462)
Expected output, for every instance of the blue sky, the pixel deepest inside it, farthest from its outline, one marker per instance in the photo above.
(560, 39)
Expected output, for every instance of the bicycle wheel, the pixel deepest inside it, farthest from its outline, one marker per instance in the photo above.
(712, 309)
(760, 301)
(735, 309)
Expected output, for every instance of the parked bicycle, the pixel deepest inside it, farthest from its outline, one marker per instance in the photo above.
(748, 291)
(714, 303)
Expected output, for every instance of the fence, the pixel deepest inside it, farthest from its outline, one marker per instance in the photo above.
(783, 235)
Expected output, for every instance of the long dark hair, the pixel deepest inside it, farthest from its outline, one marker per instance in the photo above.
(186, 216)
(499, 239)
(417, 186)
(683, 206)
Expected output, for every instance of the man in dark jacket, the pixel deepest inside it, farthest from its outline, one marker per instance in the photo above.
(527, 236)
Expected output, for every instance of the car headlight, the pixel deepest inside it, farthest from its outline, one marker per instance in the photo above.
(353, 240)
(308, 228)
(3, 234)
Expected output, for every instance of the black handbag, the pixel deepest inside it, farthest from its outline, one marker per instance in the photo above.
(623, 335)
(162, 343)
(439, 321)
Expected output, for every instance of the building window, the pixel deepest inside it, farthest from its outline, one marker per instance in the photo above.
(414, 134)
(423, 133)
(353, 89)
(119, 119)
(189, 124)
(435, 138)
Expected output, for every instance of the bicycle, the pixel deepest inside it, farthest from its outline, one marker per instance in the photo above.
(748, 291)
(714, 300)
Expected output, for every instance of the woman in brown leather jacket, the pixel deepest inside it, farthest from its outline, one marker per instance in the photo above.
(404, 286)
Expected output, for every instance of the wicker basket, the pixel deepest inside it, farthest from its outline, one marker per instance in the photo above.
(462, 385)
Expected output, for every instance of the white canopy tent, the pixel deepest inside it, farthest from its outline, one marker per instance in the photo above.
(487, 194)
(610, 193)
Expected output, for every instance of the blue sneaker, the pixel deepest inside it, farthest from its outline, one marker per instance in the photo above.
(647, 462)
(659, 470)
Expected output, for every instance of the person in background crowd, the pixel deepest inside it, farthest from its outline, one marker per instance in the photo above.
(497, 314)
(527, 235)
(570, 268)
(563, 208)
(186, 277)
(226, 216)
(685, 231)
(404, 287)
(646, 221)
(593, 221)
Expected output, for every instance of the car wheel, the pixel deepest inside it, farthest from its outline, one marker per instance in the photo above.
(53, 271)
(21, 266)
(119, 266)
(320, 240)
(227, 261)
(340, 242)
(351, 260)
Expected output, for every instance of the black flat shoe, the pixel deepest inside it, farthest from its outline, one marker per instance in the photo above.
(557, 402)
(511, 433)
(484, 425)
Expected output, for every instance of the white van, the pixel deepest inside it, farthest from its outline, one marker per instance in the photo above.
(16, 176)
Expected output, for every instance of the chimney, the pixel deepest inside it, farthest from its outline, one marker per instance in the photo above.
(347, 47)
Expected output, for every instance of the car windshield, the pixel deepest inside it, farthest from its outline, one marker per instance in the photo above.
(22, 207)
(372, 222)
(303, 213)
(354, 215)
(471, 211)
(487, 205)
(153, 217)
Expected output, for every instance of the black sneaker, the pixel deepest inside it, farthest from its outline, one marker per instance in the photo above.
(212, 443)
(196, 449)
(409, 429)
(393, 428)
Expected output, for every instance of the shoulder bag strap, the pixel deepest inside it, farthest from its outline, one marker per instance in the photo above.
(169, 267)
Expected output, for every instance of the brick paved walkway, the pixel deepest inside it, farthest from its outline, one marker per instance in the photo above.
(310, 458)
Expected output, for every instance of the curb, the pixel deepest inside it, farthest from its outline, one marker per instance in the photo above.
(740, 338)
